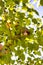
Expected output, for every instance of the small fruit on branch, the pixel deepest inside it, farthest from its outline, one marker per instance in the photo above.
(1, 47)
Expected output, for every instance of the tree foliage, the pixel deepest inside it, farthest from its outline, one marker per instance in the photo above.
(21, 34)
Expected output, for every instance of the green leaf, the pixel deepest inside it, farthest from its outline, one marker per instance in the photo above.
(34, 20)
(41, 2)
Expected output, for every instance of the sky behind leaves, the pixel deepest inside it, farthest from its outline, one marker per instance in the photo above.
(39, 9)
